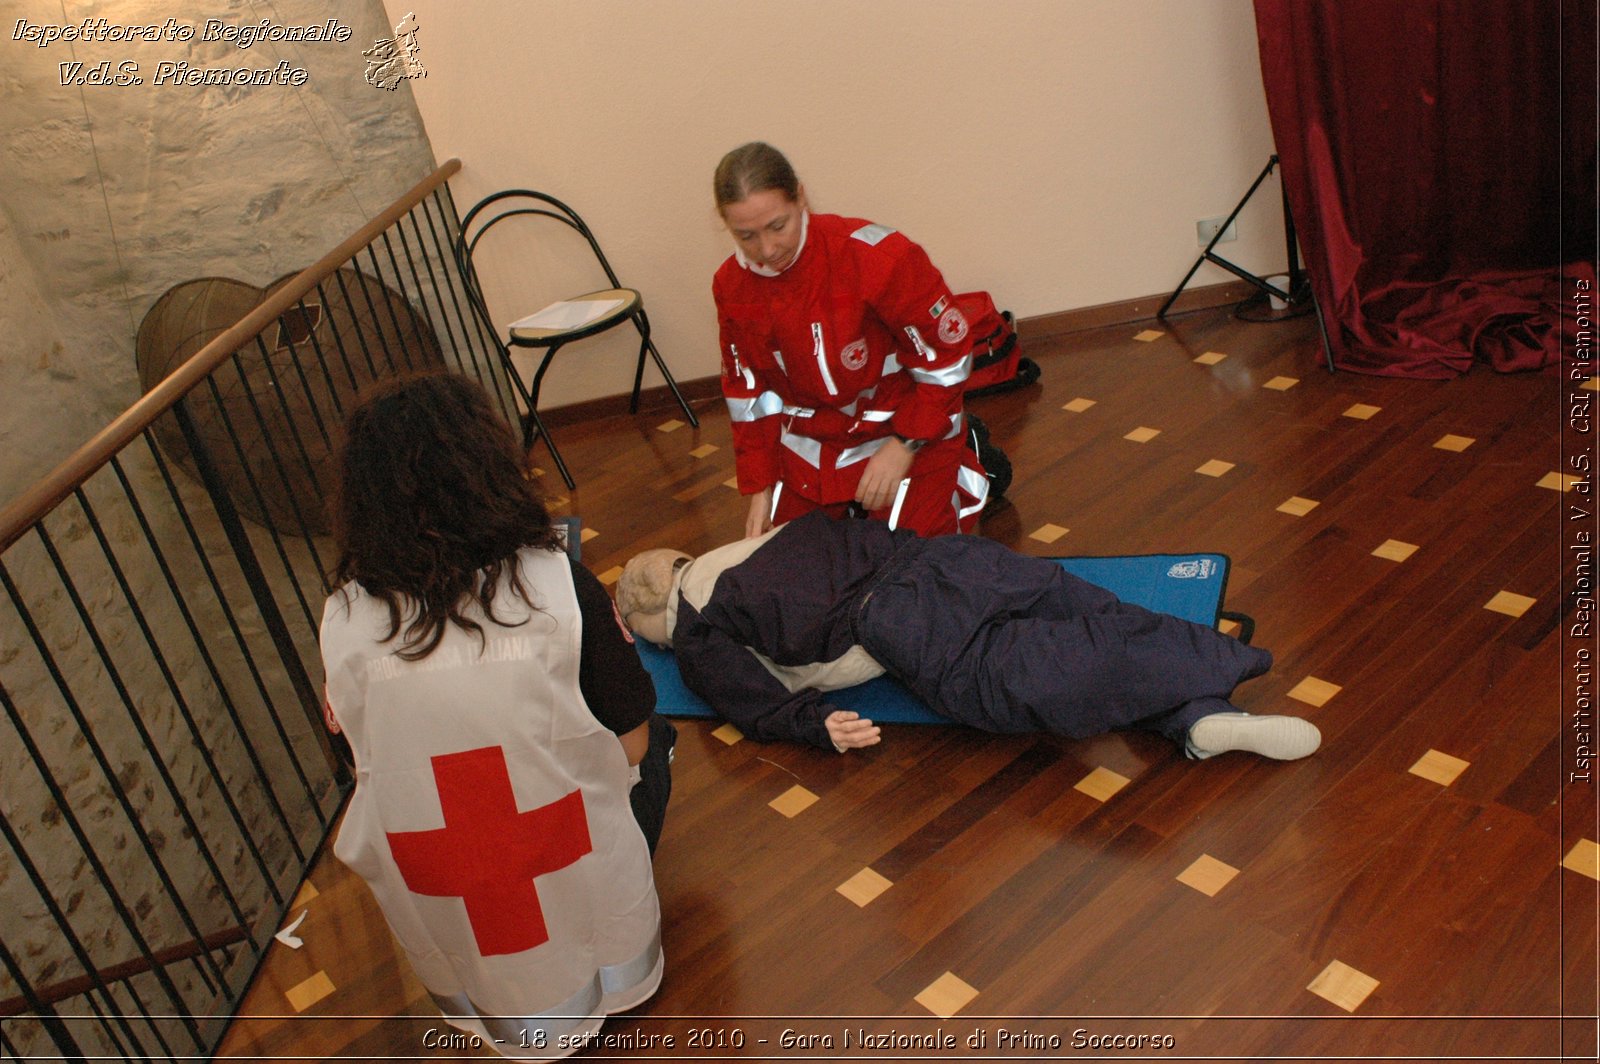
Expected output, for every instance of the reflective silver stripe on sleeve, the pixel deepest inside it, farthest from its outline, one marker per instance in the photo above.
(804, 446)
(749, 378)
(891, 364)
(777, 493)
(820, 350)
(764, 405)
(777, 356)
(871, 233)
(862, 396)
(950, 375)
(852, 455)
(799, 411)
(955, 427)
(733, 350)
(920, 344)
(877, 415)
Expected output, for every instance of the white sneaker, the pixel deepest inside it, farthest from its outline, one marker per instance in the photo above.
(1280, 738)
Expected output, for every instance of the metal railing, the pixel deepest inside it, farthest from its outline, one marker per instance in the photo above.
(167, 779)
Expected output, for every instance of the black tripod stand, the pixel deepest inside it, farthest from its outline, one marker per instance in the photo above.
(1299, 289)
(1299, 285)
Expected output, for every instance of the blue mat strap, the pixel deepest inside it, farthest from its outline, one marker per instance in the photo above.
(1191, 586)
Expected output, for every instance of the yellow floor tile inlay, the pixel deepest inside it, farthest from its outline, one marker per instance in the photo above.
(1592, 384)
(731, 482)
(1362, 411)
(703, 450)
(1584, 858)
(1558, 481)
(611, 575)
(793, 801)
(1101, 784)
(946, 996)
(303, 897)
(1295, 506)
(1078, 406)
(1439, 767)
(586, 535)
(1394, 550)
(1343, 985)
(1048, 533)
(1211, 358)
(1214, 468)
(728, 734)
(1509, 603)
(1142, 434)
(864, 886)
(1281, 384)
(1314, 692)
(1450, 442)
(1227, 627)
(304, 995)
(1148, 335)
(670, 425)
(1207, 875)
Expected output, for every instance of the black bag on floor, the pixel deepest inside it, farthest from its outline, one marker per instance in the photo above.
(993, 459)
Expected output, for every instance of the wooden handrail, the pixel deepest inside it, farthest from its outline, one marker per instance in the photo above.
(45, 494)
(116, 973)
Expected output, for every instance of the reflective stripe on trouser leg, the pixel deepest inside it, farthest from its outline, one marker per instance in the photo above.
(899, 500)
(974, 484)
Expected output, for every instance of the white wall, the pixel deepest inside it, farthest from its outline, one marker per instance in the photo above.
(1056, 152)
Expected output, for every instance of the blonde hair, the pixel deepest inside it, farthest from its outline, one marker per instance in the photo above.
(751, 168)
(646, 581)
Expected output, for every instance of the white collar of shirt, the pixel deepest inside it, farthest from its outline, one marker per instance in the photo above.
(762, 271)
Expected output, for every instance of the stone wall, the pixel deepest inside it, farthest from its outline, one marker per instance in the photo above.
(109, 195)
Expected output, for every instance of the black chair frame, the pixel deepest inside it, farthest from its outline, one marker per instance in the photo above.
(483, 216)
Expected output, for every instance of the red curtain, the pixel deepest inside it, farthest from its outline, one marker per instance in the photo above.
(1439, 158)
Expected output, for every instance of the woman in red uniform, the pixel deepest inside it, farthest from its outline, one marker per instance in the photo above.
(843, 359)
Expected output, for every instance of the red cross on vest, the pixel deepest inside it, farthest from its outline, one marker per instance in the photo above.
(488, 853)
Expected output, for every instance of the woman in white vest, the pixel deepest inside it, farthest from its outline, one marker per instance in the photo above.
(499, 720)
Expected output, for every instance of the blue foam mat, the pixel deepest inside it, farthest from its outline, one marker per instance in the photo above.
(1190, 586)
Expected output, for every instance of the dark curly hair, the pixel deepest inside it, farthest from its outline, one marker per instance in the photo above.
(431, 505)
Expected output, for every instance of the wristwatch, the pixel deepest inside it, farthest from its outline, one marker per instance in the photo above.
(911, 445)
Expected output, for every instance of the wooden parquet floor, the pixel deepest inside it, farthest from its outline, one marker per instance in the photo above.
(1423, 887)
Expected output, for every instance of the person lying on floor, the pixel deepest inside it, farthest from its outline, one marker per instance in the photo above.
(985, 636)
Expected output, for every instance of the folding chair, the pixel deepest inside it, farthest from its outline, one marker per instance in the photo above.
(559, 323)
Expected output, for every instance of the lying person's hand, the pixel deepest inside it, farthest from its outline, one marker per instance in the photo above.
(850, 730)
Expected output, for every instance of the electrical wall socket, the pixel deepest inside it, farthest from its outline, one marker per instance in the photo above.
(1207, 228)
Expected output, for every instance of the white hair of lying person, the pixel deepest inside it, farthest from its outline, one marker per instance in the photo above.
(646, 583)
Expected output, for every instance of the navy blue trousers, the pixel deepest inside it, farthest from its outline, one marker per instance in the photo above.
(1010, 643)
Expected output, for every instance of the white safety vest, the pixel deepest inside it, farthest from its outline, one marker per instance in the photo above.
(491, 816)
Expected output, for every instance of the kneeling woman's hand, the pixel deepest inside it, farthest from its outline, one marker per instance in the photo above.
(851, 730)
(881, 477)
